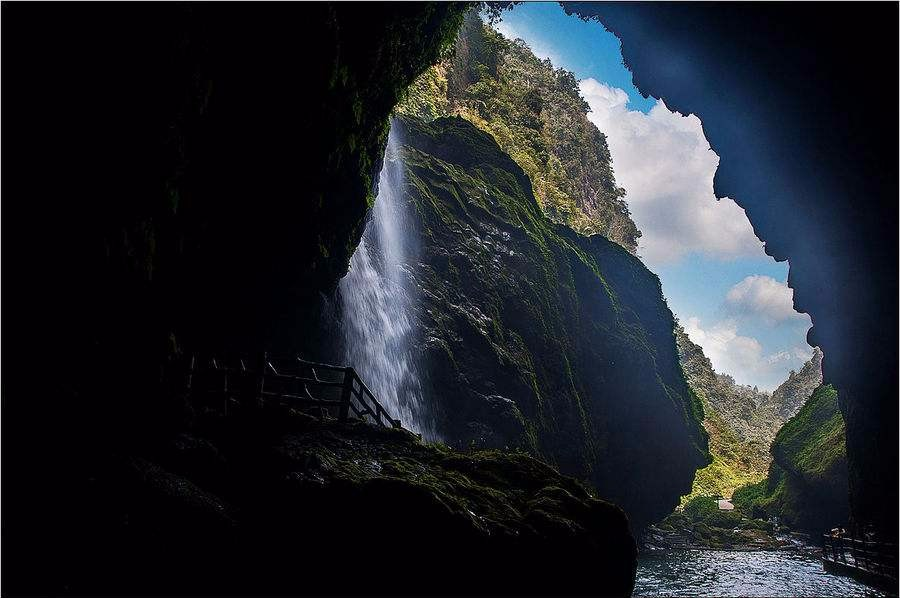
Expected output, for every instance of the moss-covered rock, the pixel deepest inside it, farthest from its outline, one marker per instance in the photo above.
(701, 523)
(807, 486)
(297, 505)
(537, 337)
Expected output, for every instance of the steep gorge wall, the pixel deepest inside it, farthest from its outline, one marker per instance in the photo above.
(791, 394)
(739, 437)
(537, 337)
(741, 421)
(815, 171)
(806, 484)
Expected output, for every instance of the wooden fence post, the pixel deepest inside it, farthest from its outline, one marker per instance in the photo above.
(346, 392)
(261, 383)
(190, 378)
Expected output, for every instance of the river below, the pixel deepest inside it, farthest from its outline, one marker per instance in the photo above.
(740, 573)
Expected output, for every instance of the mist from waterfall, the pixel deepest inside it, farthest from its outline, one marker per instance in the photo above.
(378, 300)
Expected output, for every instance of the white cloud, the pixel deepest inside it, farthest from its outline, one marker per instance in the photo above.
(762, 296)
(665, 164)
(538, 47)
(803, 353)
(742, 356)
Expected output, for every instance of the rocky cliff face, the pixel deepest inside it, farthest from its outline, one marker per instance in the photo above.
(790, 396)
(741, 421)
(737, 404)
(536, 114)
(807, 486)
(538, 337)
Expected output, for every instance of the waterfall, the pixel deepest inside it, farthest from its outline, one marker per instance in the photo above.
(377, 303)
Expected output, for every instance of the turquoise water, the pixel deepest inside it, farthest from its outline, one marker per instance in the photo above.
(751, 573)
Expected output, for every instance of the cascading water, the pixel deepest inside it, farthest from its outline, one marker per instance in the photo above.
(377, 304)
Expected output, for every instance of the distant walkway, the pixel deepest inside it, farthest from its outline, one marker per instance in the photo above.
(871, 562)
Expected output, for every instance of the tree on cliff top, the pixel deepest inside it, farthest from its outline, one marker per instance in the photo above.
(536, 114)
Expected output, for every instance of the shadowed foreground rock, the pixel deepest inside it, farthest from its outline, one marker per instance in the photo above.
(273, 501)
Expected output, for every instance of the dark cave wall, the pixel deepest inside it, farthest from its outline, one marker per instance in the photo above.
(191, 175)
(785, 93)
(178, 176)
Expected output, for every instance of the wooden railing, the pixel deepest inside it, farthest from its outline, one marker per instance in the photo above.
(874, 559)
(335, 389)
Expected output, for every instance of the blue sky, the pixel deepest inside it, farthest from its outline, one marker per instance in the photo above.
(731, 298)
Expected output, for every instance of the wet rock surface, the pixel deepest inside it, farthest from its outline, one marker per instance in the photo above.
(537, 337)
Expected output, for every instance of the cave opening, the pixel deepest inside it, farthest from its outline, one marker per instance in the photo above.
(742, 344)
(195, 180)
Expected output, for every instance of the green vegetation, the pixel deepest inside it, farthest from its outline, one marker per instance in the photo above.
(737, 439)
(812, 444)
(537, 115)
(806, 486)
(702, 523)
(801, 479)
(761, 499)
(706, 509)
(741, 421)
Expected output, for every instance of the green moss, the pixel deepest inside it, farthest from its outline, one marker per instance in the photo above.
(493, 490)
(705, 509)
(812, 443)
(806, 485)
(573, 330)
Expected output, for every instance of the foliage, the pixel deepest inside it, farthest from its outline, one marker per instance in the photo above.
(750, 495)
(704, 524)
(719, 478)
(812, 444)
(537, 115)
(706, 509)
(807, 483)
(736, 437)
(741, 420)
(427, 97)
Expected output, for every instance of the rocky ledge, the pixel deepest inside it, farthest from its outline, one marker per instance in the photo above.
(273, 500)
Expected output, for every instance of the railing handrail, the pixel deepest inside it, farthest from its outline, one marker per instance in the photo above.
(853, 540)
(267, 370)
(380, 409)
(870, 556)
